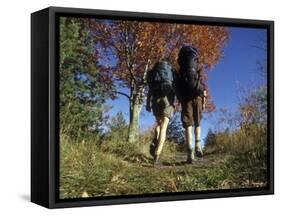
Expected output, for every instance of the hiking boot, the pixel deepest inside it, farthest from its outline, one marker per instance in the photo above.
(190, 157)
(152, 148)
(198, 152)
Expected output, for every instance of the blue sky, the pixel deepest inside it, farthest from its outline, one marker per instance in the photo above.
(237, 68)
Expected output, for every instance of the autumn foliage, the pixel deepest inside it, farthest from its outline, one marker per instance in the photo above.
(127, 50)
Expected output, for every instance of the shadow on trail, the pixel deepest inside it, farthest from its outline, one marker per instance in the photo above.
(179, 161)
(171, 164)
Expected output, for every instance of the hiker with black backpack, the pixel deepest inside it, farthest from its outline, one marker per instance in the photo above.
(191, 94)
(160, 99)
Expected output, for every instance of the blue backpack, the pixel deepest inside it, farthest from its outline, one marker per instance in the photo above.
(161, 79)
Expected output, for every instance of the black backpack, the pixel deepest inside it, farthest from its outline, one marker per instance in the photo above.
(188, 59)
(161, 79)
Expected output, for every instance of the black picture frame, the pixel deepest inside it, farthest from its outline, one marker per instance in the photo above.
(44, 108)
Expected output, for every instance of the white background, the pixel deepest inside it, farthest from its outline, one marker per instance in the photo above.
(15, 106)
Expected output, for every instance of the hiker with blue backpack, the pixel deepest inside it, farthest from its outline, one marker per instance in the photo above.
(187, 85)
(191, 94)
(160, 99)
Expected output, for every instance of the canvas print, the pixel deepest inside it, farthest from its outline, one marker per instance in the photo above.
(153, 107)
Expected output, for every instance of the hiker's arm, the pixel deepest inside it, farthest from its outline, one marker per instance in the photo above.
(177, 87)
(201, 84)
(204, 99)
(203, 88)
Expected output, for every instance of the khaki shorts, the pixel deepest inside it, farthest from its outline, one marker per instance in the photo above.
(162, 108)
(191, 113)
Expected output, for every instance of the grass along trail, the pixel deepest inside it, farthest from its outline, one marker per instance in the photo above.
(87, 170)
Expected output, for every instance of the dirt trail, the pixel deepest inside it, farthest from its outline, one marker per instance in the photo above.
(177, 161)
(180, 160)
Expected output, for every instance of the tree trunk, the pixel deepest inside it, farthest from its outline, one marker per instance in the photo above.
(135, 108)
(137, 95)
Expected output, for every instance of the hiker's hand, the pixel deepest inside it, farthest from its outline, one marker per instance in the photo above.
(204, 105)
(205, 93)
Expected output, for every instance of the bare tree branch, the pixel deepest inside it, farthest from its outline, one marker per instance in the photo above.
(123, 94)
(127, 54)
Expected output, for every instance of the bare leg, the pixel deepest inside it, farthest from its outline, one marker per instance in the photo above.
(153, 145)
(198, 150)
(188, 138)
(162, 136)
(157, 130)
(197, 132)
